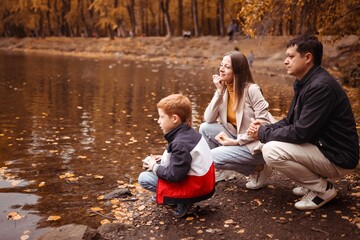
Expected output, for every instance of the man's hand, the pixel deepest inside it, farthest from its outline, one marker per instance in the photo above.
(253, 129)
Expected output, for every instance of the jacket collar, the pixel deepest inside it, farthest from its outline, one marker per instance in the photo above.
(301, 82)
(171, 135)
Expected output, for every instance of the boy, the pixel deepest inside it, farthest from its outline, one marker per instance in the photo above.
(185, 173)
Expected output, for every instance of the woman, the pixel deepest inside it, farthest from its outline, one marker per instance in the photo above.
(236, 102)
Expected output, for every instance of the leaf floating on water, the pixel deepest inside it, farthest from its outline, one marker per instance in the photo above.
(15, 183)
(14, 216)
(24, 237)
(41, 184)
(53, 218)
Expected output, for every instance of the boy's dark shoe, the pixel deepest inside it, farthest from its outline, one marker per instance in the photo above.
(182, 209)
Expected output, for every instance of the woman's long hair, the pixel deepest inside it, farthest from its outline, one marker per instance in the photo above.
(242, 75)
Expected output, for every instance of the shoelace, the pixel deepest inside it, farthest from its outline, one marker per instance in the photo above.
(309, 196)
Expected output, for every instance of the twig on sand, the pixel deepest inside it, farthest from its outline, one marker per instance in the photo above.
(319, 230)
(108, 217)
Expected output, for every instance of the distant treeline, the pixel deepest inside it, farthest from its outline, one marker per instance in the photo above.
(123, 18)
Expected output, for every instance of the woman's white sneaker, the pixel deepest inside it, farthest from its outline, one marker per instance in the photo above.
(314, 200)
(258, 179)
(300, 191)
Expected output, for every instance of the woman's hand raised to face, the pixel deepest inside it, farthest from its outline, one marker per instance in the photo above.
(220, 85)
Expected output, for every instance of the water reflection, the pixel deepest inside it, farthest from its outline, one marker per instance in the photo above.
(70, 128)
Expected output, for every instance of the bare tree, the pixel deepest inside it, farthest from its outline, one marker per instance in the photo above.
(195, 17)
(165, 10)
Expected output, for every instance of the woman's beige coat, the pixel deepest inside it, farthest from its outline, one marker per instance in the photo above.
(255, 106)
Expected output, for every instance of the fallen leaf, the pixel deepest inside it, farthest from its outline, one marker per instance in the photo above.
(241, 231)
(270, 235)
(189, 218)
(53, 218)
(104, 221)
(229, 221)
(258, 202)
(14, 216)
(24, 237)
(96, 209)
(41, 184)
(99, 176)
(142, 207)
(356, 194)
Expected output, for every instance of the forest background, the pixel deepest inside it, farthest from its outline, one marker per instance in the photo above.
(124, 18)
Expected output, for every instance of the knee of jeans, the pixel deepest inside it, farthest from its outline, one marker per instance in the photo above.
(141, 178)
(202, 128)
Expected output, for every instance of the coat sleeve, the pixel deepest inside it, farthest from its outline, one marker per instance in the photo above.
(211, 113)
(179, 165)
(316, 105)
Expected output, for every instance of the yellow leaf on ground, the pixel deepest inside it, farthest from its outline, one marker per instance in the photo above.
(99, 176)
(53, 218)
(270, 235)
(100, 197)
(241, 231)
(356, 194)
(41, 184)
(258, 202)
(229, 221)
(105, 221)
(95, 209)
(189, 218)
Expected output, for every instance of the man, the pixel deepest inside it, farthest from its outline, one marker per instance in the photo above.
(318, 138)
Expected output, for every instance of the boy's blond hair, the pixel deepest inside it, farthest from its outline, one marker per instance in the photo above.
(177, 104)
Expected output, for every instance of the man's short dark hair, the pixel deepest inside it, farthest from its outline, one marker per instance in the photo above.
(308, 44)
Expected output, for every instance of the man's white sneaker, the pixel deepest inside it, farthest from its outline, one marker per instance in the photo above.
(314, 200)
(300, 191)
(258, 179)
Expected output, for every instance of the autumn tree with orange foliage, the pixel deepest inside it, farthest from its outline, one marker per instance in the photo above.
(117, 18)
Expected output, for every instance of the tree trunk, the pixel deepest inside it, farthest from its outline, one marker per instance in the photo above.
(221, 17)
(130, 7)
(195, 17)
(180, 17)
(165, 10)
